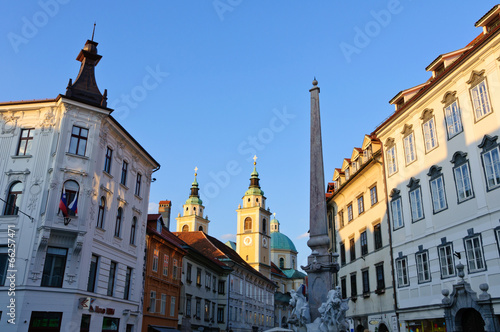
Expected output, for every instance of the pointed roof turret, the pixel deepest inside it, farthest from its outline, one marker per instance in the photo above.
(275, 224)
(254, 188)
(194, 197)
(85, 87)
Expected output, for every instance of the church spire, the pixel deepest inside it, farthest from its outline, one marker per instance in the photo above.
(194, 197)
(254, 188)
(85, 87)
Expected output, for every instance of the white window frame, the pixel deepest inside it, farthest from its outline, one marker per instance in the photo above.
(474, 253)
(152, 301)
(402, 272)
(165, 265)
(392, 166)
(480, 100)
(446, 260)
(423, 269)
(453, 120)
(163, 303)
(438, 194)
(492, 167)
(373, 195)
(409, 146)
(463, 182)
(417, 209)
(397, 213)
(430, 135)
(156, 253)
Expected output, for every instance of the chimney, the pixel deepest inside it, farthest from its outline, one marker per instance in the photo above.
(164, 210)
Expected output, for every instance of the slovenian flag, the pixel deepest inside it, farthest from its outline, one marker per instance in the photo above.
(73, 206)
(63, 206)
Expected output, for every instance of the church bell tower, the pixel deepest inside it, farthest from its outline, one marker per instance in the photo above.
(192, 218)
(253, 239)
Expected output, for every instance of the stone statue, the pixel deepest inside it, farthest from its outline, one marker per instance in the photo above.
(300, 315)
(332, 314)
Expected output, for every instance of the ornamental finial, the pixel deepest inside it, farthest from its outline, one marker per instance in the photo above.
(255, 160)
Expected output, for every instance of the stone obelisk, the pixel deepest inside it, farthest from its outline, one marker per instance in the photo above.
(320, 266)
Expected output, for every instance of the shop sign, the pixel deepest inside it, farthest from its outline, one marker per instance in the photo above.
(87, 303)
(373, 322)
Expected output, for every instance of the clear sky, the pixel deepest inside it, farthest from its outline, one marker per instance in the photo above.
(211, 83)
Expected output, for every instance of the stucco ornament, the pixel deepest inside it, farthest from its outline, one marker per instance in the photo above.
(300, 313)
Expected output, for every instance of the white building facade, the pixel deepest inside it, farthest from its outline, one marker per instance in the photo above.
(442, 169)
(77, 264)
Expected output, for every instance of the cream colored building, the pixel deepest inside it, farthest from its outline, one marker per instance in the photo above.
(442, 168)
(359, 233)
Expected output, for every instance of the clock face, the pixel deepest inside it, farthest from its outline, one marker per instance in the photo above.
(247, 240)
(264, 242)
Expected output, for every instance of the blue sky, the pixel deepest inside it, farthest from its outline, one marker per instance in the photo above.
(209, 83)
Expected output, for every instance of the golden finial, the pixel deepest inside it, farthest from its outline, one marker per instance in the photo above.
(196, 171)
(255, 160)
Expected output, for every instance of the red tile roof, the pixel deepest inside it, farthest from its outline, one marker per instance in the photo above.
(277, 271)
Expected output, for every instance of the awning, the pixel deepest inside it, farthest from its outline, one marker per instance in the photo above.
(156, 328)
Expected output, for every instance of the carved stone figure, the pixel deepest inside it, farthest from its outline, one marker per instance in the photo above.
(300, 315)
(332, 312)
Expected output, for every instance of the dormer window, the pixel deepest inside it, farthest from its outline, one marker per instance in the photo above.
(493, 23)
(346, 172)
(400, 104)
(439, 69)
(158, 226)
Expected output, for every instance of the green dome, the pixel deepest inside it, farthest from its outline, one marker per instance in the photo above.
(254, 191)
(194, 200)
(280, 241)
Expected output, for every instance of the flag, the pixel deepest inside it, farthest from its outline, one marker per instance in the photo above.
(63, 206)
(73, 206)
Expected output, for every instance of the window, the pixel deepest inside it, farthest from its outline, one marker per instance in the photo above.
(392, 166)
(198, 276)
(437, 189)
(409, 145)
(13, 199)
(379, 270)
(165, 265)
(208, 280)
(474, 253)
(352, 249)
(453, 119)
(417, 209)
(188, 305)
(361, 205)
(101, 212)
(491, 161)
(282, 263)
(341, 218)
(55, 264)
(85, 323)
(92, 273)
(377, 236)
(264, 226)
(366, 282)
(25, 142)
(422, 260)
(461, 172)
(343, 287)
(175, 273)
(207, 310)
(214, 284)
(430, 136)
(396, 209)
(480, 100)
(446, 260)
(45, 321)
(354, 288)
(4, 262)
(198, 308)
(69, 198)
(118, 225)
(123, 179)
(172, 306)
(128, 279)
(188, 272)
(133, 228)
(349, 212)
(107, 160)
(222, 287)
(248, 224)
(364, 243)
(138, 184)
(346, 173)
(220, 315)
(152, 301)
(111, 280)
(78, 141)
(163, 303)
(373, 195)
(156, 253)
(402, 272)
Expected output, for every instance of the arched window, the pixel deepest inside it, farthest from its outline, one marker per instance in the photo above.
(69, 198)
(282, 263)
(264, 226)
(200, 228)
(185, 228)
(248, 224)
(293, 263)
(13, 199)
(118, 225)
(133, 229)
(100, 214)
